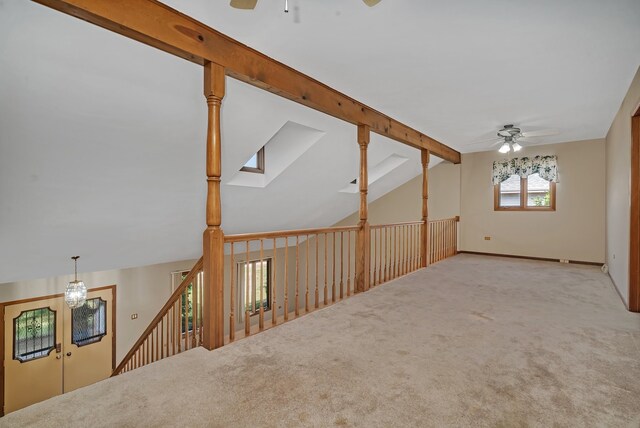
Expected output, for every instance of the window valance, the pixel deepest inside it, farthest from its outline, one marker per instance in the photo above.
(545, 166)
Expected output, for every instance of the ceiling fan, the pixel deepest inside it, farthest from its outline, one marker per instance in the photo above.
(251, 4)
(510, 137)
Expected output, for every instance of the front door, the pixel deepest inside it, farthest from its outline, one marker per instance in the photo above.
(50, 349)
(88, 341)
(32, 352)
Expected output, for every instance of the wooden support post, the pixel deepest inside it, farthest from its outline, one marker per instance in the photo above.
(213, 237)
(424, 248)
(363, 249)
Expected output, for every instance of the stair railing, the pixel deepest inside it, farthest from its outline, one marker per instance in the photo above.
(176, 328)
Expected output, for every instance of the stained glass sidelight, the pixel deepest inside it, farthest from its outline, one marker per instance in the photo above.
(34, 334)
(89, 322)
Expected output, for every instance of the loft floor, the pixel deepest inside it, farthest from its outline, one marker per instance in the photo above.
(471, 341)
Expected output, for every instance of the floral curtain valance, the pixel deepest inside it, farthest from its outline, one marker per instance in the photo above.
(545, 166)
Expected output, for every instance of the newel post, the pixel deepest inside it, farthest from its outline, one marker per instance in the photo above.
(424, 248)
(363, 249)
(213, 237)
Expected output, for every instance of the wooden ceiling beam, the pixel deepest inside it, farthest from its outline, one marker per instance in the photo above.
(156, 24)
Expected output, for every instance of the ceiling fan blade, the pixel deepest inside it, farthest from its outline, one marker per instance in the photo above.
(371, 3)
(243, 4)
(497, 143)
(541, 133)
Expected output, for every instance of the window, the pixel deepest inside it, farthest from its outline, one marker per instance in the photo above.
(256, 163)
(254, 285)
(89, 322)
(186, 300)
(532, 193)
(34, 334)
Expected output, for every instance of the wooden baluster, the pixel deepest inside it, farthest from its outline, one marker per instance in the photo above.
(411, 268)
(406, 248)
(439, 233)
(333, 269)
(297, 303)
(341, 265)
(375, 255)
(259, 284)
(326, 291)
(348, 263)
(157, 342)
(274, 285)
(455, 236)
(306, 275)
(173, 330)
(194, 323)
(317, 295)
(416, 247)
(186, 318)
(232, 298)
(396, 245)
(386, 253)
(161, 338)
(177, 308)
(201, 290)
(286, 278)
(247, 291)
(380, 274)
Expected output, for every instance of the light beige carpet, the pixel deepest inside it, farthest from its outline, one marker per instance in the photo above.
(472, 341)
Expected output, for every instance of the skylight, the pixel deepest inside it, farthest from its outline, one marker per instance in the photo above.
(256, 163)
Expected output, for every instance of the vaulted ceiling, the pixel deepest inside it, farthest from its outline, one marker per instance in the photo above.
(102, 138)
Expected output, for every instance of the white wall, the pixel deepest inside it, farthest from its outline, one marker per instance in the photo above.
(404, 203)
(575, 231)
(141, 290)
(618, 196)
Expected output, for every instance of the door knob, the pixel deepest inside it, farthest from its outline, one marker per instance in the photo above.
(68, 354)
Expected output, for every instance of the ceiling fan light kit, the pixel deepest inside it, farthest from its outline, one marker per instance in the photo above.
(251, 4)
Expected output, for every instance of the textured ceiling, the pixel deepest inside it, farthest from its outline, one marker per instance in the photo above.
(102, 138)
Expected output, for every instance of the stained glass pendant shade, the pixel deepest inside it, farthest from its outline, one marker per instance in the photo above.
(76, 292)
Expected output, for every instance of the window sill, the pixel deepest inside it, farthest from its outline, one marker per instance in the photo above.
(544, 209)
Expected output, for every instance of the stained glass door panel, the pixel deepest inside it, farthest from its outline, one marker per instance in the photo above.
(88, 341)
(33, 365)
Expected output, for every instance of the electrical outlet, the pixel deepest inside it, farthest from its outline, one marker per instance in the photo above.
(564, 261)
(487, 238)
(134, 316)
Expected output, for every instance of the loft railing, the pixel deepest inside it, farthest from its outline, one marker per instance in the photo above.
(176, 328)
(443, 239)
(274, 277)
(288, 274)
(395, 250)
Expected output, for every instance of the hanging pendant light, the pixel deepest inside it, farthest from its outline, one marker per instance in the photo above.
(76, 292)
(516, 147)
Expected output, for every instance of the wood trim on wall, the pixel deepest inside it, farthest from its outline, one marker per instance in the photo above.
(53, 296)
(542, 259)
(158, 25)
(634, 226)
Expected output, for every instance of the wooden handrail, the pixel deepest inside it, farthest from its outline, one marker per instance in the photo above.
(403, 223)
(197, 268)
(286, 233)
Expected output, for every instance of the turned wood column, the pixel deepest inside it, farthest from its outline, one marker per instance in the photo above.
(363, 250)
(424, 248)
(213, 237)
